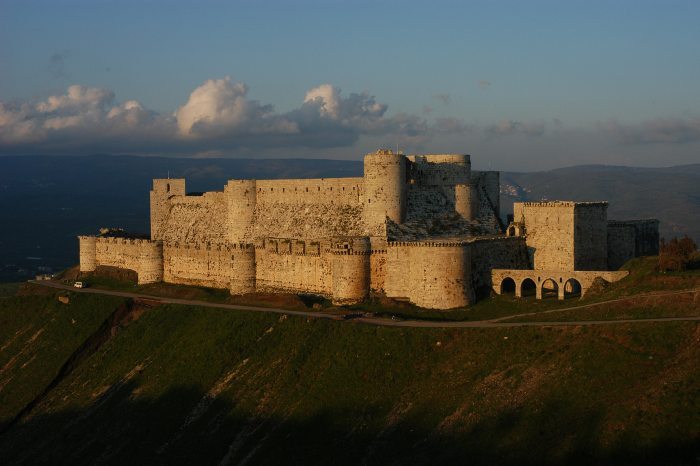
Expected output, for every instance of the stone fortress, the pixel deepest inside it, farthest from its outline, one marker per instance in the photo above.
(421, 228)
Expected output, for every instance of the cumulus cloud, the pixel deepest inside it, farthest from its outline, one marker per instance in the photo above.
(660, 130)
(220, 119)
(220, 107)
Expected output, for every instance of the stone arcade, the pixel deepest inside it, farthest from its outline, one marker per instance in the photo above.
(424, 228)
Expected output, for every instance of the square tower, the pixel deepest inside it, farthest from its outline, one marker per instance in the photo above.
(562, 235)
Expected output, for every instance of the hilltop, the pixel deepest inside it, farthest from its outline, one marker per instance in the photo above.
(111, 380)
(49, 200)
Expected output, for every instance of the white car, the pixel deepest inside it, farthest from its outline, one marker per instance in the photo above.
(79, 285)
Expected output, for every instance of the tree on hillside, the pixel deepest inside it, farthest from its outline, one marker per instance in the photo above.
(677, 254)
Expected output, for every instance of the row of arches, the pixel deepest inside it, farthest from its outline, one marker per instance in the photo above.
(549, 288)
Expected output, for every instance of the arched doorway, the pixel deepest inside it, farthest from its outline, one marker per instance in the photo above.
(508, 286)
(528, 288)
(572, 288)
(550, 289)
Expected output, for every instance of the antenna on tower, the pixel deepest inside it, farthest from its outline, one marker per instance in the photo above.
(168, 174)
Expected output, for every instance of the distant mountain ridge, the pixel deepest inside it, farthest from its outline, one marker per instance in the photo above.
(47, 200)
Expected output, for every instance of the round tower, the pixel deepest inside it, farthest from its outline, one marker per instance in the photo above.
(242, 269)
(467, 201)
(240, 209)
(385, 189)
(88, 253)
(150, 262)
(445, 276)
(351, 270)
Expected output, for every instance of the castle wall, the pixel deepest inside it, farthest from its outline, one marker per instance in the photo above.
(241, 199)
(631, 238)
(324, 191)
(197, 219)
(646, 237)
(488, 186)
(591, 236)
(439, 169)
(550, 233)
(145, 257)
(496, 253)
(430, 274)
(377, 266)
(294, 266)
(230, 266)
(621, 244)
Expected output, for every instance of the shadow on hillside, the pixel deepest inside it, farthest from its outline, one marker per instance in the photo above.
(183, 426)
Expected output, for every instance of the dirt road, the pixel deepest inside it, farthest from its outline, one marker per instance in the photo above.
(492, 323)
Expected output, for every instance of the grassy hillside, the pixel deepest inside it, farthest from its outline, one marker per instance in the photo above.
(205, 386)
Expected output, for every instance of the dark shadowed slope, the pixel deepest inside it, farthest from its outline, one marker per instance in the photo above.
(188, 385)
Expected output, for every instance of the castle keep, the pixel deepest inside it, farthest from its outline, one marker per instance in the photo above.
(423, 228)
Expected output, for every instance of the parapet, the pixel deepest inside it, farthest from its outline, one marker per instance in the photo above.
(169, 186)
(457, 159)
(562, 203)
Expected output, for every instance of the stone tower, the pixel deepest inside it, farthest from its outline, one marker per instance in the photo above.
(163, 190)
(385, 190)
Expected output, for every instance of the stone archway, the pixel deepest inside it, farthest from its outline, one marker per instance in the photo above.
(508, 286)
(572, 288)
(549, 289)
(528, 287)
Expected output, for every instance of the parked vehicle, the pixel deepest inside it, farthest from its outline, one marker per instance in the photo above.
(80, 285)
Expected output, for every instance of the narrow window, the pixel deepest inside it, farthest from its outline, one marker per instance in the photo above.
(167, 187)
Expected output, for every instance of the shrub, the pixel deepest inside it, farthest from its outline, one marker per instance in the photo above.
(677, 254)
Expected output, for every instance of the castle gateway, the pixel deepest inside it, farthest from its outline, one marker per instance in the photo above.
(424, 228)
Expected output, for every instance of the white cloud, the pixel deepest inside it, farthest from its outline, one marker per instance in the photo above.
(220, 106)
(219, 119)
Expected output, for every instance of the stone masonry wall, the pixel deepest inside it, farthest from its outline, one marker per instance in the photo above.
(621, 239)
(349, 191)
(143, 256)
(196, 219)
(550, 233)
(429, 274)
(205, 264)
(294, 265)
(591, 236)
(496, 253)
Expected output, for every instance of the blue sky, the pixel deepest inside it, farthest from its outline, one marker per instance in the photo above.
(525, 84)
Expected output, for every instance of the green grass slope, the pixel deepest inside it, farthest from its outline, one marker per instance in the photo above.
(205, 386)
(38, 334)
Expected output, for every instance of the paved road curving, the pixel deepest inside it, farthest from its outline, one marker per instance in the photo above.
(493, 323)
